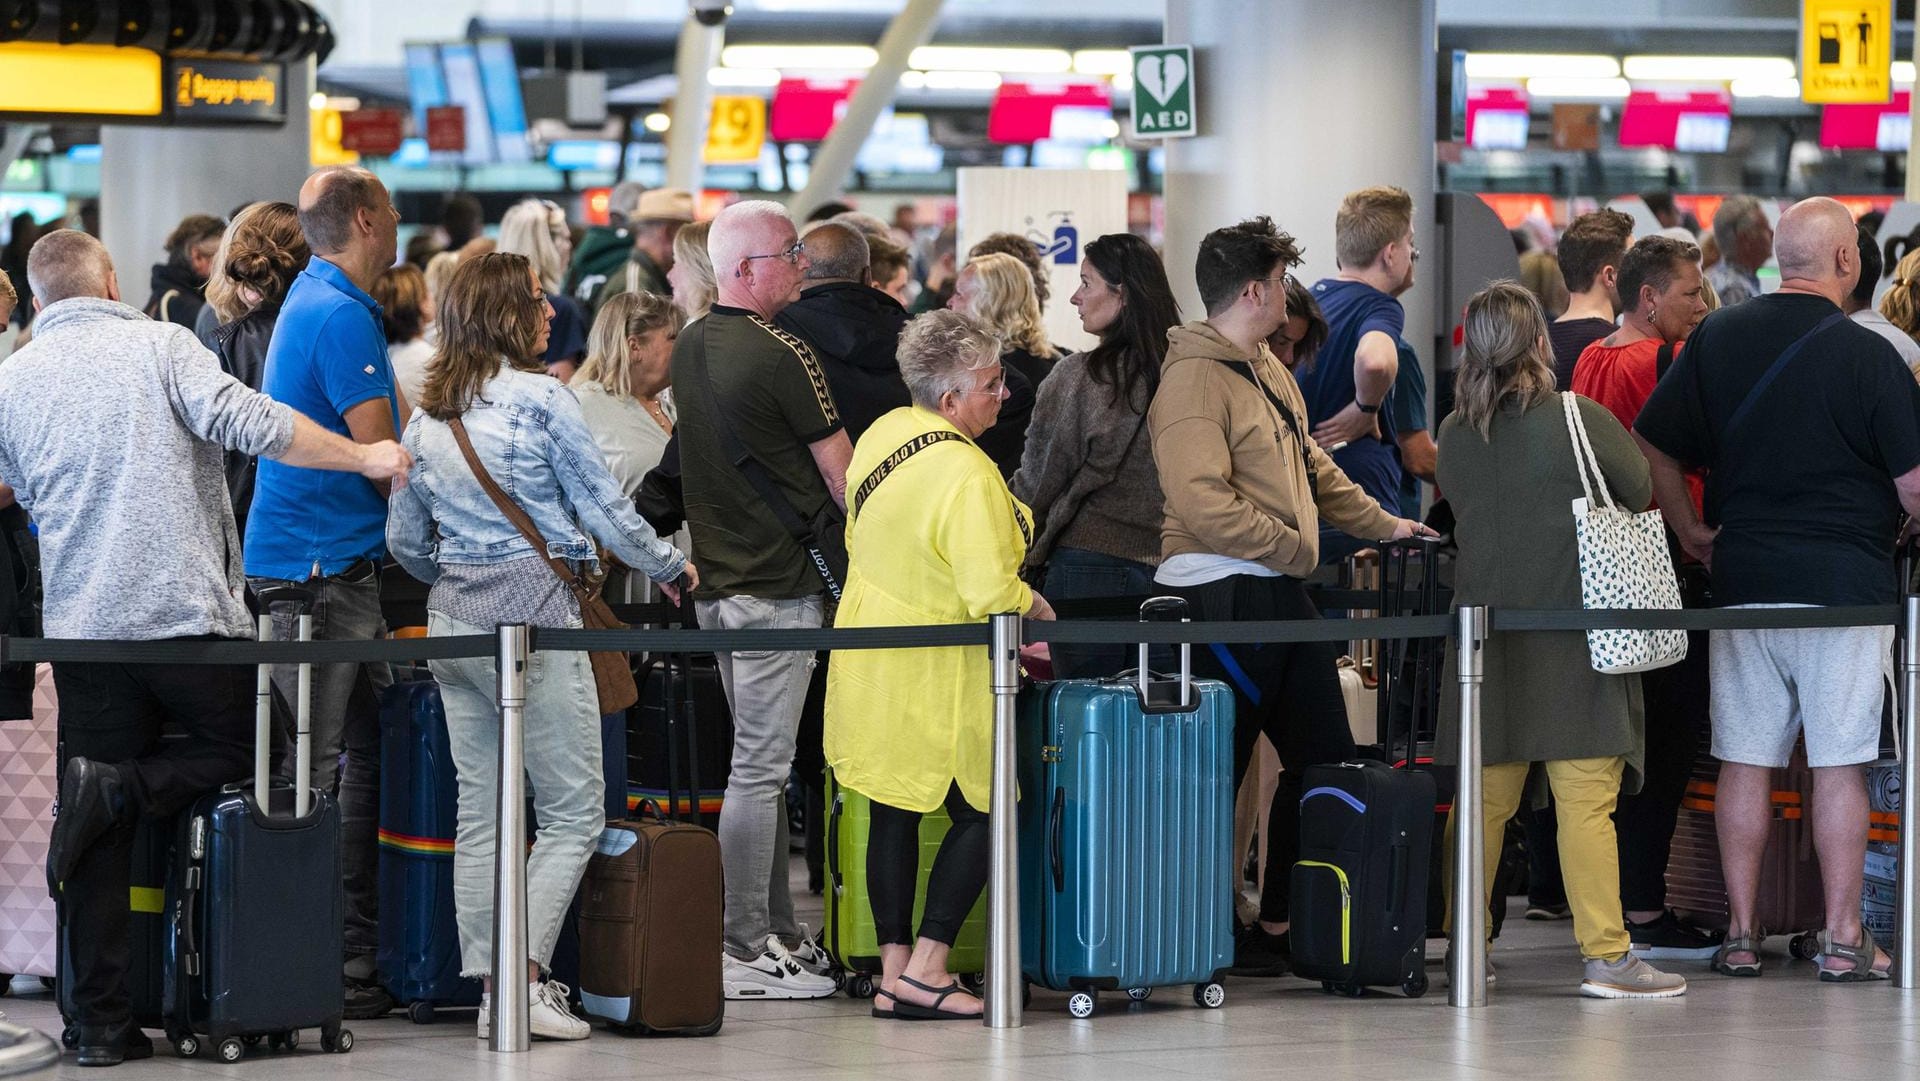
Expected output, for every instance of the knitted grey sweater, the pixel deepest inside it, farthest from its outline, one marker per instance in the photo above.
(1088, 470)
(112, 428)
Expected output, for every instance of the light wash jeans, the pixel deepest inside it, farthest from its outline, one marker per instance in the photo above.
(766, 689)
(563, 767)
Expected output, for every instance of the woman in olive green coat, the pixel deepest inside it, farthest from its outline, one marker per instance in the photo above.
(1507, 466)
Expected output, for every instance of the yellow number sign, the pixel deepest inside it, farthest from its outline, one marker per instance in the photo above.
(736, 130)
(1846, 51)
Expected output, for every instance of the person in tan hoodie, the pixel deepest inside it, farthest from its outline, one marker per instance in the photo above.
(1245, 491)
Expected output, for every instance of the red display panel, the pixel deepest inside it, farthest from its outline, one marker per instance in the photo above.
(1023, 112)
(805, 110)
(1497, 119)
(1867, 127)
(1697, 121)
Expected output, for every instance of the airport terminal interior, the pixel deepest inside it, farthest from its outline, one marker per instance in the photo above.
(999, 158)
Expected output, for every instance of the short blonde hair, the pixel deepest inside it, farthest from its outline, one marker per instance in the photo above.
(1369, 220)
(440, 270)
(1901, 304)
(623, 316)
(1006, 302)
(1505, 358)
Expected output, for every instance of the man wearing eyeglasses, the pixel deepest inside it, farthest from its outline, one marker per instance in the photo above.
(762, 449)
(1347, 390)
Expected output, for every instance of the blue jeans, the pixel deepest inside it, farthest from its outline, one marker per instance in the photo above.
(562, 744)
(1078, 574)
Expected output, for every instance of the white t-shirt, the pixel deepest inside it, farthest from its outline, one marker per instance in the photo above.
(1199, 568)
(409, 360)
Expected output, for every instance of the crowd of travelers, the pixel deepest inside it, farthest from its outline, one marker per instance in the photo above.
(695, 403)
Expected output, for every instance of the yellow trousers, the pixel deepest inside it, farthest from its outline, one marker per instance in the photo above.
(1584, 793)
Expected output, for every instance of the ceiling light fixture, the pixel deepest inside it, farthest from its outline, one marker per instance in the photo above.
(982, 58)
(1579, 89)
(1707, 69)
(1541, 65)
(799, 57)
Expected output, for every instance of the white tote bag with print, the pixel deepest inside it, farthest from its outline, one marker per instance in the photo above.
(1624, 563)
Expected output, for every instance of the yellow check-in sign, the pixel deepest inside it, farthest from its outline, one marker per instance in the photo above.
(736, 129)
(1846, 51)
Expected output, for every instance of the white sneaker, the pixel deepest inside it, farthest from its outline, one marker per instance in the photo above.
(1630, 977)
(773, 974)
(549, 1017)
(810, 955)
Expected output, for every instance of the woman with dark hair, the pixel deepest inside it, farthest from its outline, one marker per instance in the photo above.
(1087, 470)
(180, 283)
(259, 256)
(489, 407)
(1304, 332)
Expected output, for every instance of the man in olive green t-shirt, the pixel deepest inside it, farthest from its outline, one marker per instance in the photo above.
(735, 370)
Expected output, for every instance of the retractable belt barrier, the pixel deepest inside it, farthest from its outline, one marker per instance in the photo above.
(1469, 627)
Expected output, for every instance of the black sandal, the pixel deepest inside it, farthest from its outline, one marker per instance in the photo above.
(913, 1011)
(888, 995)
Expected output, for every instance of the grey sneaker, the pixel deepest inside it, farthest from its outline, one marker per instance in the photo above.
(1629, 977)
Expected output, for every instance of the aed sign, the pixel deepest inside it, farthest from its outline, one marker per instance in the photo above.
(226, 91)
(1846, 52)
(1163, 91)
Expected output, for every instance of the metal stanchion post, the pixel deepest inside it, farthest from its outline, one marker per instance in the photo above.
(1467, 972)
(507, 1012)
(1906, 961)
(1003, 1000)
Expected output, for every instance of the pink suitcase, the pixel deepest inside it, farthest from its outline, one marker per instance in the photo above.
(28, 786)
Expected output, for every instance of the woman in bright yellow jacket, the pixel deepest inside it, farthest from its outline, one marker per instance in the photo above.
(933, 537)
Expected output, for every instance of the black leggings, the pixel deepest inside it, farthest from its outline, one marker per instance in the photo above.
(1289, 690)
(893, 872)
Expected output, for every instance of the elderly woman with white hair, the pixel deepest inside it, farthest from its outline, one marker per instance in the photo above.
(933, 537)
(538, 230)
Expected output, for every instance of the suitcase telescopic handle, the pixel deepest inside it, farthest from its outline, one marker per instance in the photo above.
(1167, 610)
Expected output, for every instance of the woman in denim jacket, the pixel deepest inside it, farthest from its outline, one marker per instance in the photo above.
(527, 431)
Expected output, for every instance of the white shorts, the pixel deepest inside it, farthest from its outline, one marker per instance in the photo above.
(1833, 685)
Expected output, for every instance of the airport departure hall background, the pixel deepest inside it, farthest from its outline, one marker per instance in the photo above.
(950, 539)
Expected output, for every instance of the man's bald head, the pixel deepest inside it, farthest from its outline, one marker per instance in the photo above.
(68, 263)
(839, 253)
(331, 200)
(1817, 242)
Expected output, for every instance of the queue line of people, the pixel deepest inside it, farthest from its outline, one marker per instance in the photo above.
(1178, 455)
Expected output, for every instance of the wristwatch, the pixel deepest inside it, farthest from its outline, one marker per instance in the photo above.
(1365, 408)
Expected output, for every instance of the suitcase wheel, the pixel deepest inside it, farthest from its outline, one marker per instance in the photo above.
(1139, 994)
(187, 1046)
(1082, 1004)
(283, 1041)
(1210, 995)
(859, 985)
(337, 1042)
(974, 982)
(231, 1049)
(251, 1042)
(1414, 985)
(70, 1038)
(1804, 947)
(420, 1013)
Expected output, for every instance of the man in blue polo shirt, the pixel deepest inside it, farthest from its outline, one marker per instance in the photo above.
(328, 360)
(1357, 367)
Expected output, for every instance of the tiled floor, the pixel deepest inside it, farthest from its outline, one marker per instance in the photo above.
(1784, 1026)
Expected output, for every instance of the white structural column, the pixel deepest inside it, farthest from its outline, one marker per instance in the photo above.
(831, 165)
(151, 177)
(1300, 102)
(698, 53)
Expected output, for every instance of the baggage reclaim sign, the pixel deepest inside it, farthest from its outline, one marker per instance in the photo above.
(226, 91)
(1163, 91)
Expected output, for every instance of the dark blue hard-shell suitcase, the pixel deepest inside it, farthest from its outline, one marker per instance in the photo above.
(1126, 832)
(257, 918)
(419, 956)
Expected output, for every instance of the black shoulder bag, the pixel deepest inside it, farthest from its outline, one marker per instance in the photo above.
(823, 537)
